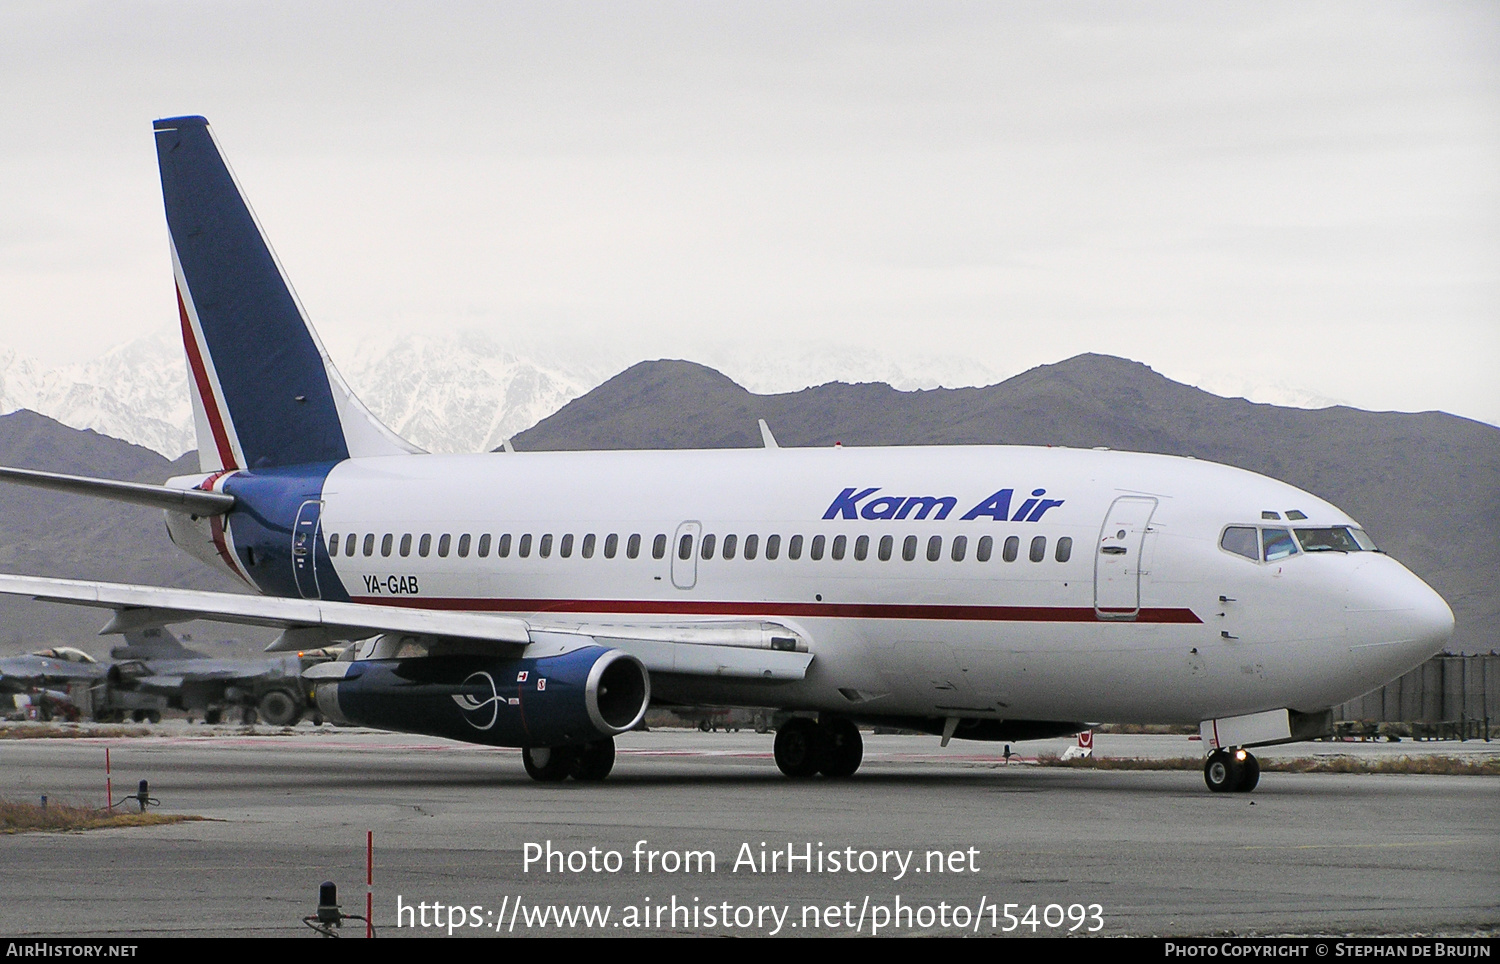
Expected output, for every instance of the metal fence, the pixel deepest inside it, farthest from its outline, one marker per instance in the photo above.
(1447, 696)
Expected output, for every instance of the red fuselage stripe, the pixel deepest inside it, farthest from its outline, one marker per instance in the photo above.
(205, 390)
(1002, 614)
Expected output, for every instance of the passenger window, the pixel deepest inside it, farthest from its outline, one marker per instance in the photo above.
(752, 543)
(934, 548)
(840, 543)
(685, 546)
(484, 546)
(385, 544)
(707, 549)
(862, 548)
(463, 546)
(566, 548)
(773, 546)
(1064, 549)
(909, 548)
(884, 552)
(1038, 548)
(405, 548)
(1012, 548)
(349, 544)
(333, 545)
(730, 543)
(424, 545)
(960, 547)
(445, 541)
(1240, 540)
(815, 551)
(524, 548)
(544, 545)
(985, 549)
(588, 546)
(503, 550)
(369, 543)
(658, 546)
(611, 545)
(1278, 544)
(794, 547)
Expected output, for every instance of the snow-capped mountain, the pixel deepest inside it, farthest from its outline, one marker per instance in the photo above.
(467, 392)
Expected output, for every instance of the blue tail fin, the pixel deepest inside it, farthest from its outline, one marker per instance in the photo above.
(264, 391)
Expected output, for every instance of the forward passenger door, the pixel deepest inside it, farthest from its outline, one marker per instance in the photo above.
(1117, 557)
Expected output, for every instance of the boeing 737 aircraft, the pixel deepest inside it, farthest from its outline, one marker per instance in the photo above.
(543, 600)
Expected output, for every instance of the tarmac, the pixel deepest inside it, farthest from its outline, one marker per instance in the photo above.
(699, 834)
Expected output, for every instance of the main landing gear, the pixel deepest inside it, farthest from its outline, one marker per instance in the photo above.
(589, 762)
(1231, 771)
(805, 747)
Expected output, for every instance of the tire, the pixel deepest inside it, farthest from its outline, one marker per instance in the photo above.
(799, 748)
(595, 760)
(213, 716)
(1222, 772)
(1249, 774)
(552, 764)
(279, 708)
(153, 716)
(843, 749)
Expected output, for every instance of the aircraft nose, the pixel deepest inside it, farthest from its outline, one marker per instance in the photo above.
(1394, 612)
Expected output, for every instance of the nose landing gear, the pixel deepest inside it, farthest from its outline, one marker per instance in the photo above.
(1231, 771)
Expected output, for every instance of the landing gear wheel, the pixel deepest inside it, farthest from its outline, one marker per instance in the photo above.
(595, 760)
(212, 716)
(549, 764)
(799, 747)
(1249, 774)
(1222, 772)
(843, 749)
(279, 708)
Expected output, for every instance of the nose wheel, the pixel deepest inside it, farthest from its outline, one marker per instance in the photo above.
(1231, 771)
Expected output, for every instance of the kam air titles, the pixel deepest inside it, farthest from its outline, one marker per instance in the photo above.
(846, 505)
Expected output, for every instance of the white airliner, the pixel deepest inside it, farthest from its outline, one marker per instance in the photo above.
(542, 600)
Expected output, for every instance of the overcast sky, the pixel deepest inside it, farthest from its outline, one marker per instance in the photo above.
(1303, 193)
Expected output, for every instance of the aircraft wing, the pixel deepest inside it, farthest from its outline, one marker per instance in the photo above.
(739, 648)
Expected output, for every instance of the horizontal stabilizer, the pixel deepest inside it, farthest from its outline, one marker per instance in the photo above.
(137, 493)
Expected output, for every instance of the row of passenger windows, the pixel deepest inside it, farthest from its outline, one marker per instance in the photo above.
(731, 547)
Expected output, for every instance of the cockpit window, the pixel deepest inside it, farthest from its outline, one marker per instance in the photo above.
(1335, 539)
(1241, 541)
(1279, 544)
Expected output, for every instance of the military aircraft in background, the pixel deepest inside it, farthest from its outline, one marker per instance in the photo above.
(268, 689)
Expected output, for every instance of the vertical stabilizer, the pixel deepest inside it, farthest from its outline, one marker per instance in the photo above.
(264, 391)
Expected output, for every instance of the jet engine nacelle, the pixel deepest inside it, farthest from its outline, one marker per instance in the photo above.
(573, 698)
